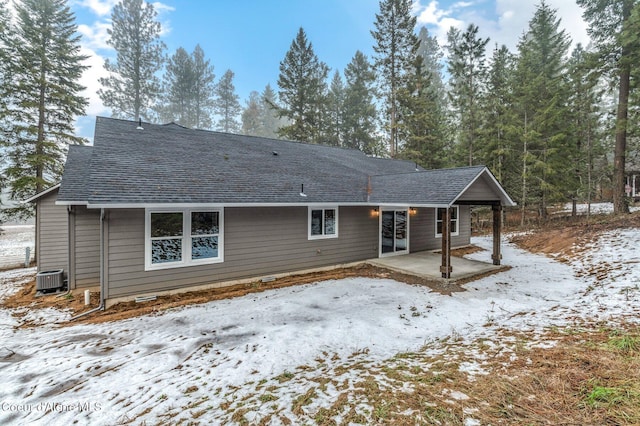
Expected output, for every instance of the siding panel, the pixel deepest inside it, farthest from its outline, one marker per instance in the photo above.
(257, 241)
(53, 234)
(423, 230)
(87, 247)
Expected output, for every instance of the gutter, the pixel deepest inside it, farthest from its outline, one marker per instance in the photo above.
(102, 266)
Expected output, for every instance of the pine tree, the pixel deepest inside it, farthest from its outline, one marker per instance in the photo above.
(585, 129)
(203, 90)
(303, 92)
(395, 47)
(46, 99)
(359, 106)
(252, 115)
(270, 122)
(496, 147)
(611, 28)
(420, 126)
(335, 112)
(423, 119)
(468, 86)
(188, 90)
(226, 104)
(6, 92)
(178, 90)
(543, 99)
(132, 88)
(431, 53)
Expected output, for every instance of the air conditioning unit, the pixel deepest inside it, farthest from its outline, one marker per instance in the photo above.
(49, 280)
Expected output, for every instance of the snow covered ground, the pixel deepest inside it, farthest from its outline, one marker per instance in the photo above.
(596, 208)
(196, 362)
(13, 241)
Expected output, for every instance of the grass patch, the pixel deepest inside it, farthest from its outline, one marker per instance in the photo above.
(625, 344)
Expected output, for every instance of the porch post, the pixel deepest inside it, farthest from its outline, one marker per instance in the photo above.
(445, 268)
(497, 228)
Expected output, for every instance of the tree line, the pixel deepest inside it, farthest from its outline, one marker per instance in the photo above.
(552, 124)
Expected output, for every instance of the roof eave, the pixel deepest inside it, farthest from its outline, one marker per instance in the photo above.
(505, 200)
(40, 194)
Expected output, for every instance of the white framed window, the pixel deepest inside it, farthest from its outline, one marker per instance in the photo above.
(441, 213)
(183, 237)
(323, 222)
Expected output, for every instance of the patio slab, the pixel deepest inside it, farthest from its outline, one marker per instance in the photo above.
(426, 264)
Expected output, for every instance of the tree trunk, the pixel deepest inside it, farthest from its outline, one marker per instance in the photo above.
(619, 201)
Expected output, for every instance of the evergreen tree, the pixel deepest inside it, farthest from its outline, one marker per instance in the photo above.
(496, 138)
(431, 53)
(611, 28)
(359, 107)
(46, 100)
(227, 104)
(303, 92)
(585, 130)
(187, 90)
(270, 122)
(423, 101)
(395, 47)
(335, 112)
(468, 86)
(252, 115)
(542, 100)
(6, 35)
(178, 85)
(132, 87)
(203, 89)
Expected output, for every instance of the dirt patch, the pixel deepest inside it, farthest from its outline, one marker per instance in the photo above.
(565, 241)
(75, 300)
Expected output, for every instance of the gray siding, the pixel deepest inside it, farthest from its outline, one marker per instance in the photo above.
(257, 241)
(52, 234)
(480, 190)
(86, 247)
(423, 230)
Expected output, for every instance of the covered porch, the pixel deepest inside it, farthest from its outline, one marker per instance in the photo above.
(426, 264)
(446, 191)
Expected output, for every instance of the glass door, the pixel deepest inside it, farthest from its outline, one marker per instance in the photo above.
(393, 232)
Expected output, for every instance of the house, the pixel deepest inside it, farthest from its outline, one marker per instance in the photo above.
(156, 208)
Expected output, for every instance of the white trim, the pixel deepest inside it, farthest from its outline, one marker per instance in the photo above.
(504, 196)
(72, 203)
(393, 209)
(40, 194)
(186, 239)
(222, 205)
(453, 234)
(323, 208)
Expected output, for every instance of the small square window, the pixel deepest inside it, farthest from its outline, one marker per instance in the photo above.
(441, 213)
(323, 223)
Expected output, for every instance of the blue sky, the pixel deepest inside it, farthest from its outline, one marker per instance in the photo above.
(251, 37)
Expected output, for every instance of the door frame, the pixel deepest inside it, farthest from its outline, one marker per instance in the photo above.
(394, 209)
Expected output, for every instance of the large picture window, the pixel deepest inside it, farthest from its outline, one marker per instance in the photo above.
(323, 222)
(182, 238)
(441, 213)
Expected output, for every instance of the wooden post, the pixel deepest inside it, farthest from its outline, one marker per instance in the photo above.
(445, 268)
(497, 228)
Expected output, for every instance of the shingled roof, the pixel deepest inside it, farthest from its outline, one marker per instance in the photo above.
(170, 164)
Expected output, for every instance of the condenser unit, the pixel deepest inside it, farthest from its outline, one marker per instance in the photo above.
(49, 280)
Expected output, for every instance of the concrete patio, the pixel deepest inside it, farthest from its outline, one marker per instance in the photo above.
(426, 264)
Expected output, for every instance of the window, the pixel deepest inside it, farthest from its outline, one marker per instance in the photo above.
(323, 223)
(441, 213)
(182, 238)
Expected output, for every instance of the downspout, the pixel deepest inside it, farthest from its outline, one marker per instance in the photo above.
(69, 213)
(102, 265)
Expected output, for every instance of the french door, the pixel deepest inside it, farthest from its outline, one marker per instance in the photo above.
(394, 232)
